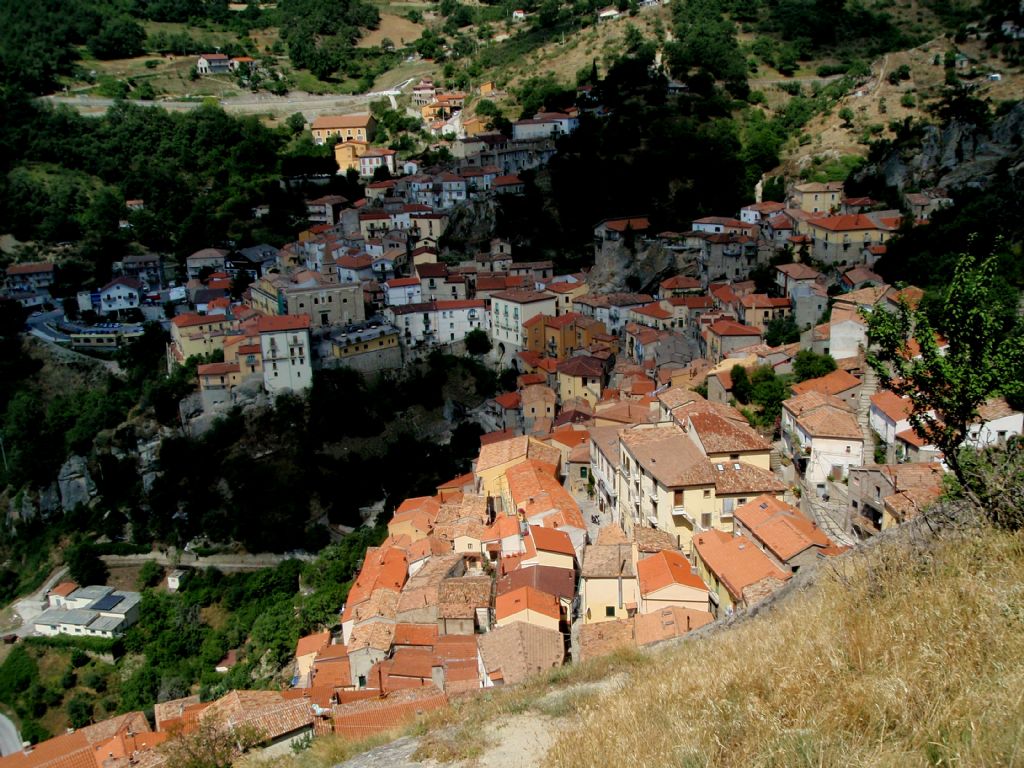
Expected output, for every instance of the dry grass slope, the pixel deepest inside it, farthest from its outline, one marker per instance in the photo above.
(898, 657)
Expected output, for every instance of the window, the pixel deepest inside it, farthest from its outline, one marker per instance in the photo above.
(609, 611)
(705, 520)
(707, 494)
(677, 498)
(583, 472)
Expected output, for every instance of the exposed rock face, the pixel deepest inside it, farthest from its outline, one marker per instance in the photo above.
(49, 500)
(958, 154)
(75, 483)
(615, 264)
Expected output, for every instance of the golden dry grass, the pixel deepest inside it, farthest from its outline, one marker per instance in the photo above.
(899, 658)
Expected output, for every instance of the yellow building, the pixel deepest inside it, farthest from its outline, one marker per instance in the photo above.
(735, 570)
(581, 377)
(194, 334)
(495, 459)
(528, 605)
(347, 154)
(356, 127)
(551, 336)
(566, 293)
(665, 481)
(843, 238)
(817, 197)
(609, 588)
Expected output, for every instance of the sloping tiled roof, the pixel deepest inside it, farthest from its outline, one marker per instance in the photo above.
(735, 560)
(780, 527)
(666, 569)
(520, 650)
(523, 599)
(667, 623)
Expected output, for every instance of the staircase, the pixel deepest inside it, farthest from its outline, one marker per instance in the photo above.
(868, 387)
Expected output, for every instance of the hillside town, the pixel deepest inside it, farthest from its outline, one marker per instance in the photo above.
(672, 453)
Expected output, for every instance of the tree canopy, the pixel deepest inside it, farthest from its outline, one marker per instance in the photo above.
(949, 366)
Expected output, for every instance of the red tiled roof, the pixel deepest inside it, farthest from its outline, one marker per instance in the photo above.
(277, 323)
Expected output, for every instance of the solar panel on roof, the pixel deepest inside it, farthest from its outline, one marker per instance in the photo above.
(106, 603)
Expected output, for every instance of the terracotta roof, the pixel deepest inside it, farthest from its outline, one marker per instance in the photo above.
(798, 271)
(361, 719)
(520, 650)
(458, 598)
(415, 634)
(735, 560)
(552, 540)
(509, 400)
(523, 599)
(894, 407)
(637, 224)
(330, 122)
(720, 435)
(830, 384)
(608, 561)
(606, 637)
(780, 527)
(830, 421)
(63, 589)
(732, 328)
(560, 582)
(665, 569)
(667, 623)
(30, 268)
(277, 323)
(848, 222)
(312, 643)
(995, 408)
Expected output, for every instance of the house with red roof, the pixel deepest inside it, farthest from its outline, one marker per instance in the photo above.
(724, 336)
(783, 533)
(843, 237)
(667, 579)
(889, 414)
(736, 571)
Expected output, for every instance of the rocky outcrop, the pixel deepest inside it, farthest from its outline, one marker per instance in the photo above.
(75, 483)
(958, 154)
(616, 265)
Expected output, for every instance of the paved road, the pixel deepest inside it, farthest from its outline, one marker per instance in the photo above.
(10, 739)
(44, 325)
(32, 605)
(259, 103)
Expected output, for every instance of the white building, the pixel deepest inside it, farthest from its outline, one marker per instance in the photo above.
(509, 310)
(823, 437)
(90, 612)
(996, 424)
(284, 343)
(437, 322)
(402, 291)
(544, 125)
(376, 158)
(120, 294)
(889, 415)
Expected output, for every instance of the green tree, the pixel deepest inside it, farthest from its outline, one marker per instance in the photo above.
(150, 574)
(984, 356)
(768, 390)
(846, 115)
(781, 330)
(79, 710)
(741, 387)
(478, 342)
(811, 365)
(85, 566)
